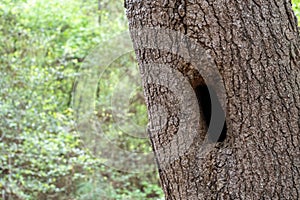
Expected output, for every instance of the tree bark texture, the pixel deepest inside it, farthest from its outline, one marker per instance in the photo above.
(255, 46)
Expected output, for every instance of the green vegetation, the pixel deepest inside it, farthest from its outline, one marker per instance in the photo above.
(296, 7)
(42, 46)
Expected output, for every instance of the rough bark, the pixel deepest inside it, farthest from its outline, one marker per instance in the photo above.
(254, 44)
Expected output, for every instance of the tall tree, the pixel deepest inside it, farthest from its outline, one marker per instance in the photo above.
(254, 47)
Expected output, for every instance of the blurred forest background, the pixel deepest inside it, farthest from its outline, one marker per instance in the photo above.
(42, 46)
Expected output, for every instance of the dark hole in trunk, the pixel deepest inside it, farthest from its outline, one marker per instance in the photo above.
(206, 97)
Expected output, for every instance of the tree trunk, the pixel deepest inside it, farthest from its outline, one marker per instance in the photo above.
(253, 46)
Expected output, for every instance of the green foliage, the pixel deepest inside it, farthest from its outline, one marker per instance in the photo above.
(296, 8)
(117, 185)
(42, 45)
(40, 156)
